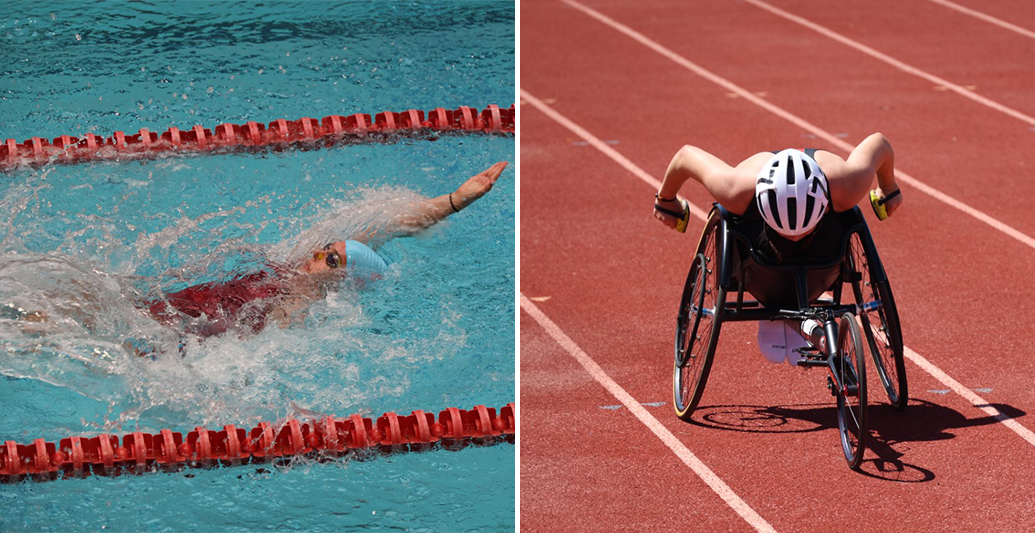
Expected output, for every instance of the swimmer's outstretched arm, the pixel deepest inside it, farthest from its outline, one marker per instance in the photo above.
(425, 214)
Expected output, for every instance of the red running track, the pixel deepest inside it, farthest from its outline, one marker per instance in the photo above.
(600, 274)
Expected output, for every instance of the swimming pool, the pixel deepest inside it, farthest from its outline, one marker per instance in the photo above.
(90, 240)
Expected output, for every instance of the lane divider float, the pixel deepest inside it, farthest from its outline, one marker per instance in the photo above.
(304, 132)
(140, 452)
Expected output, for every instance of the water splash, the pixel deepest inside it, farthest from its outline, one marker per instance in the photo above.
(79, 321)
(365, 211)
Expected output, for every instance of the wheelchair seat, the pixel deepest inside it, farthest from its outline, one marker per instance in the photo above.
(768, 266)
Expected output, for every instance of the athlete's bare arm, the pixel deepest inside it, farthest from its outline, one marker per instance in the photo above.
(423, 215)
(733, 187)
(850, 180)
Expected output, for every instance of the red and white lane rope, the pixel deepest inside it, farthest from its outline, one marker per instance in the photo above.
(141, 452)
(305, 132)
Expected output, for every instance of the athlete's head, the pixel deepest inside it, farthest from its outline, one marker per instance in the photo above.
(792, 193)
(362, 261)
(330, 257)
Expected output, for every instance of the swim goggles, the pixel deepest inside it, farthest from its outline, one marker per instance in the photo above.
(332, 258)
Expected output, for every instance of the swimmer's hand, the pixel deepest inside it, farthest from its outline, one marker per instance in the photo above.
(674, 213)
(885, 203)
(476, 186)
(291, 310)
(281, 317)
(425, 214)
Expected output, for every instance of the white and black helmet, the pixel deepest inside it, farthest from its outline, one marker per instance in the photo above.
(792, 193)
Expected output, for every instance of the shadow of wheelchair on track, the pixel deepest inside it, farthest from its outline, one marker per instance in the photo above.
(922, 421)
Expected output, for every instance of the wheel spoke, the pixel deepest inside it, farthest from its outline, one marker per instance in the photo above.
(855, 419)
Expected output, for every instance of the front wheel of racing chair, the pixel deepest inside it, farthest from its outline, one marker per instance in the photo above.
(698, 322)
(879, 317)
(849, 386)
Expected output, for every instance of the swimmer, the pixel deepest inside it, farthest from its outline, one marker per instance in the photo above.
(281, 294)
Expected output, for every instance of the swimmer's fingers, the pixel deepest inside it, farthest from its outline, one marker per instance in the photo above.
(493, 173)
(487, 178)
(479, 184)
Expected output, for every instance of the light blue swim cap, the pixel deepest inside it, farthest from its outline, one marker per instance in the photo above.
(361, 260)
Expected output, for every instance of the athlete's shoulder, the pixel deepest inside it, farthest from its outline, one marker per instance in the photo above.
(832, 165)
(741, 182)
(749, 168)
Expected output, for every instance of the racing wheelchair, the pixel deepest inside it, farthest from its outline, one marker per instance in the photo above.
(837, 280)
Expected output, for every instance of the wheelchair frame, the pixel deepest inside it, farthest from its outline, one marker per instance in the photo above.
(712, 276)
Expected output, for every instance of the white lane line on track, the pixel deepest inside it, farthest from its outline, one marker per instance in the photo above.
(798, 121)
(713, 481)
(970, 396)
(909, 69)
(593, 141)
(987, 18)
(916, 358)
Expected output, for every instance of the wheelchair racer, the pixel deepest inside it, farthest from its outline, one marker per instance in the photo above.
(793, 191)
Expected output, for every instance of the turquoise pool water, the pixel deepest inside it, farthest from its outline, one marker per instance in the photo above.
(83, 243)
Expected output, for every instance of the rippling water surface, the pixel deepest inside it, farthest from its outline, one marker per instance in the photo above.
(84, 245)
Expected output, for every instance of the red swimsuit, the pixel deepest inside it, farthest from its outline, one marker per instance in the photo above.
(219, 302)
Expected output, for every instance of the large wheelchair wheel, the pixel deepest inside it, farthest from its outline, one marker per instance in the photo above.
(698, 323)
(879, 318)
(850, 369)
